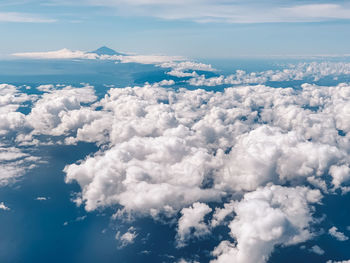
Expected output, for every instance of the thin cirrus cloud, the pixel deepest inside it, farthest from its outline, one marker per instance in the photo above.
(15, 17)
(201, 11)
(204, 11)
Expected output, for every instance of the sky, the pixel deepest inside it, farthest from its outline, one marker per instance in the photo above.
(193, 28)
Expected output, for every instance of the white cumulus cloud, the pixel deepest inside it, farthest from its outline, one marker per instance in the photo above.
(317, 250)
(127, 238)
(171, 152)
(301, 71)
(191, 224)
(267, 217)
(3, 207)
(333, 231)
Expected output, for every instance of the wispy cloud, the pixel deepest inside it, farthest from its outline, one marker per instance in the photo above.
(16, 17)
(69, 54)
(206, 11)
(57, 54)
(224, 11)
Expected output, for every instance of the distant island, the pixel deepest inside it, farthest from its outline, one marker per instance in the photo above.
(107, 51)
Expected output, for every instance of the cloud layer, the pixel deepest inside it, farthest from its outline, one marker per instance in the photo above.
(78, 54)
(205, 11)
(267, 217)
(254, 160)
(166, 150)
(311, 71)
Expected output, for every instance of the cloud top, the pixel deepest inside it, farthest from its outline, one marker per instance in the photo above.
(253, 160)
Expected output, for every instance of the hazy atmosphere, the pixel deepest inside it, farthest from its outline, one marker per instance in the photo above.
(193, 28)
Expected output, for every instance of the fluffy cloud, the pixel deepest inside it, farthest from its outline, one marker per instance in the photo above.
(146, 175)
(186, 68)
(127, 238)
(170, 151)
(333, 231)
(10, 100)
(301, 71)
(267, 217)
(186, 261)
(268, 155)
(14, 163)
(167, 151)
(221, 214)
(3, 207)
(317, 250)
(340, 174)
(342, 261)
(60, 111)
(191, 224)
(41, 198)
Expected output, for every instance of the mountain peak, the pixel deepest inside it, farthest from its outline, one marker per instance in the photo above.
(106, 51)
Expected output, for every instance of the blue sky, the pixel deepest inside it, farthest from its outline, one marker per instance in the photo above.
(192, 28)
